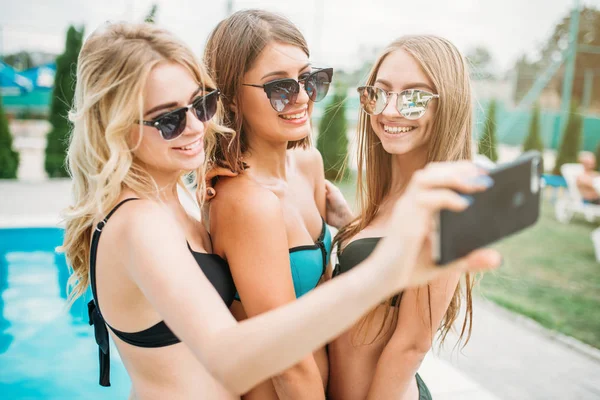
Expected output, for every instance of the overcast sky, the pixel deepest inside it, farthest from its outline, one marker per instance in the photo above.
(339, 32)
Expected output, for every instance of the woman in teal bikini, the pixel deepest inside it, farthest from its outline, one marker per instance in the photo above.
(260, 62)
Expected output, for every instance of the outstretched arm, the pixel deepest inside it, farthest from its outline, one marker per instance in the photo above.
(240, 355)
(166, 272)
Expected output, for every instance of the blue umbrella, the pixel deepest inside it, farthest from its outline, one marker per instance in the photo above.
(12, 83)
(41, 76)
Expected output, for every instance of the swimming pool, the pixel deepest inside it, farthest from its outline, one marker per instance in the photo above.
(46, 351)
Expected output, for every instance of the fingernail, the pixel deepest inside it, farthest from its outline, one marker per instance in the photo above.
(210, 192)
(482, 180)
(467, 198)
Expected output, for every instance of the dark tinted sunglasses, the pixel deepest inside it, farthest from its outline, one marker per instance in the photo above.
(172, 124)
(283, 93)
(411, 103)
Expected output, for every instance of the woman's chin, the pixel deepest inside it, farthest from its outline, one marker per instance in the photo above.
(192, 163)
(400, 148)
(299, 133)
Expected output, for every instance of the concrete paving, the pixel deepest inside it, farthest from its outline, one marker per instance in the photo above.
(515, 358)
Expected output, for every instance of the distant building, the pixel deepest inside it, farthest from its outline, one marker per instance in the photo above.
(27, 93)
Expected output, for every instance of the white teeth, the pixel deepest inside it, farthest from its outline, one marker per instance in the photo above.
(294, 116)
(191, 146)
(398, 129)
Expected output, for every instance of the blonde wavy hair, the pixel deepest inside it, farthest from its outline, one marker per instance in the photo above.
(450, 141)
(112, 70)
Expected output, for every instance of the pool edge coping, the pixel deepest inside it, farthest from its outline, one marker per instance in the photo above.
(31, 221)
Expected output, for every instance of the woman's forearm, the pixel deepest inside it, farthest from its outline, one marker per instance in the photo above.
(301, 382)
(348, 217)
(276, 340)
(395, 372)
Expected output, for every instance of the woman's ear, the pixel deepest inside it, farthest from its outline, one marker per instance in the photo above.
(233, 106)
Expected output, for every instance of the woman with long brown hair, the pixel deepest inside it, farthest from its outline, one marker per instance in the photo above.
(260, 62)
(415, 109)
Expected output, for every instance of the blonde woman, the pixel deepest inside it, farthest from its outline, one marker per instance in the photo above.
(415, 109)
(141, 119)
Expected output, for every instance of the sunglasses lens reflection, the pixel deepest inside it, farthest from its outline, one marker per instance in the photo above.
(171, 126)
(413, 103)
(284, 94)
(206, 106)
(372, 100)
(317, 84)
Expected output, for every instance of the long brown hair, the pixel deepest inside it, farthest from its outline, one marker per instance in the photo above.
(450, 141)
(112, 70)
(231, 50)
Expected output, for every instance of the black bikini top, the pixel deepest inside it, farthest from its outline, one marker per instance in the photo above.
(159, 335)
(356, 252)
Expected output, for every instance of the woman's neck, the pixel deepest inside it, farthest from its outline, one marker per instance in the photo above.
(267, 159)
(166, 181)
(403, 167)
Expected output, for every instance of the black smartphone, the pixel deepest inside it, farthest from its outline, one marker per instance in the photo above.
(509, 206)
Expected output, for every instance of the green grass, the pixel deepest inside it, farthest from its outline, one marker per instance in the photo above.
(549, 275)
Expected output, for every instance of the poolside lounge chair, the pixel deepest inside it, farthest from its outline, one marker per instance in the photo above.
(596, 241)
(573, 203)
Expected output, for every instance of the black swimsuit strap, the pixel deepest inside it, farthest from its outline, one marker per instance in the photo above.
(115, 208)
(96, 239)
(94, 315)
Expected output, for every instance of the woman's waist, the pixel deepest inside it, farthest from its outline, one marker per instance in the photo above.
(171, 372)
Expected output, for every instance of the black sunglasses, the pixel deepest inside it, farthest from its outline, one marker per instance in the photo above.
(172, 124)
(283, 93)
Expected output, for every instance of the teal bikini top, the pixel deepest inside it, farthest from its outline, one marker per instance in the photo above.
(308, 263)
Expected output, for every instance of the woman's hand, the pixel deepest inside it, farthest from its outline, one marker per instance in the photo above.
(338, 211)
(406, 250)
(209, 191)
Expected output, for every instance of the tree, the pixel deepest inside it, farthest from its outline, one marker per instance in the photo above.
(19, 61)
(151, 17)
(480, 59)
(487, 143)
(9, 159)
(571, 140)
(526, 73)
(62, 99)
(534, 138)
(332, 141)
(589, 28)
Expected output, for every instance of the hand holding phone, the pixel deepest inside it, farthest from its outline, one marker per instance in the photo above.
(509, 206)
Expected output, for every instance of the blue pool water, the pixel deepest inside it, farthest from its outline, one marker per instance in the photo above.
(46, 350)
